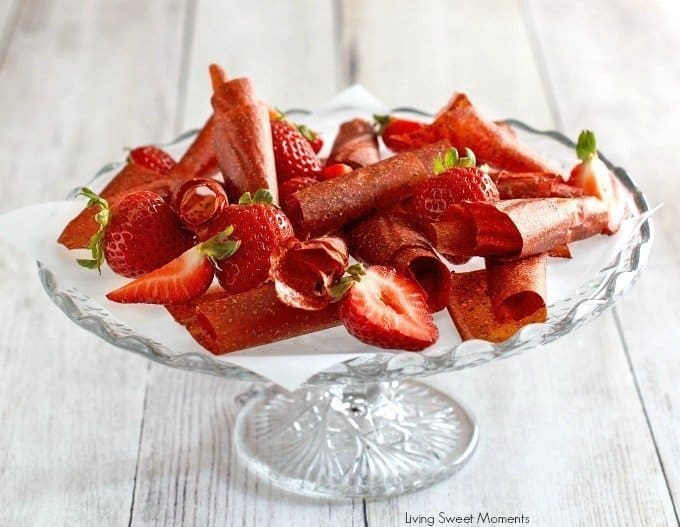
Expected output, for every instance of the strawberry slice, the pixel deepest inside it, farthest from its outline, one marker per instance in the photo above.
(387, 309)
(183, 279)
(153, 158)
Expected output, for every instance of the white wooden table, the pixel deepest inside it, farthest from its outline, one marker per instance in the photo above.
(582, 432)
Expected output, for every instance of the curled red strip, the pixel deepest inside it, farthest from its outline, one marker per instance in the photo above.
(198, 202)
(304, 271)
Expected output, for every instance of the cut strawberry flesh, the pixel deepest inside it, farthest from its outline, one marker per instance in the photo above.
(388, 310)
(182, 280)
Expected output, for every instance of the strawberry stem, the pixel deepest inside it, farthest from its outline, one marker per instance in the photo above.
(220, 247)
(261, 196)
(586, 147)
(381, 122)
(452, 159)
(306, 132)
(344, 283)
(102, 218)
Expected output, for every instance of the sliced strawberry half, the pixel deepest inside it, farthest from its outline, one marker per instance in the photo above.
(387, 309)
(183, 279)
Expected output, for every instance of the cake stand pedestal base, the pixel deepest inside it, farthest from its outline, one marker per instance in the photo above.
(371, 441)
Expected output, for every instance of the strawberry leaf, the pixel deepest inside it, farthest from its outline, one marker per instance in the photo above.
(586, 147)
(95, 245)
(342, 285)
(261, 196)
(220, 247)
(306, 132)
(381, 122)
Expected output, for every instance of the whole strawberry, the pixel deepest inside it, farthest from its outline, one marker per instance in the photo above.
(395, 131)
(457, 180)
(293, 154)
(138, 234)
(259, 227)
(153, 158)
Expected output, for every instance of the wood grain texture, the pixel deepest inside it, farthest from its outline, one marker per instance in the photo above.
(74, 92)
(632, 68)
(189, 473)
(566, 417)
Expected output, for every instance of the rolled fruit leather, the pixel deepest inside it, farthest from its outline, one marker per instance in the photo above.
(242, 139)
(223, 322)
(517, 228)
(330, 205)
(494, 303)
(356, 145)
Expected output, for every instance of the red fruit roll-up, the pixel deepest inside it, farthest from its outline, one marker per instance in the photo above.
(474, 295)
(331, 204)
(199, 161)
(356, 145)
(463, 126)
(387, 238)
(517, 288)
(304, 271)
(534, 185)
(221, 322)
(517, 228)
(242, 139)
(198, 203)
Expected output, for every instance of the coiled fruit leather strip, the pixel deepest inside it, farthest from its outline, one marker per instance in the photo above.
(463, 126)
(331, 204)
(242, 139)
(387, 238)
(534, 185)
(304, 271)
(517, 228)
(199, 202)
(199, 160)
(356, 145)
(131, 178)
(221, 322)
(493, 304)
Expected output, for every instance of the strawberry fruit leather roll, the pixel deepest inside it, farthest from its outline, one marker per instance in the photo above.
(199, 160)
(388, 239)
(517, 228)
(356, 145)
(331, 204)
(242, 139)
(534, 185)
(493, 304)
(223, 322)
(463, 126)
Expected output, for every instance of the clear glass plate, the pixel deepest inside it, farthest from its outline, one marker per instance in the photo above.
(353, 429)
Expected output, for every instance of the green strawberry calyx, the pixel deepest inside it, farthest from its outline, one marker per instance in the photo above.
(381, 122)
(220, 247)
(452, 159)
(343, 284)
(95, 245)
(261, 196)
(586, 146)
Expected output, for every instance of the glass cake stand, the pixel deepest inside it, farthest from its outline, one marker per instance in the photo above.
(364, 427)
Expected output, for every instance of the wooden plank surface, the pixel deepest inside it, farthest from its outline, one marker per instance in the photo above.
(73, 92)
(631, 67)
(188, 472)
